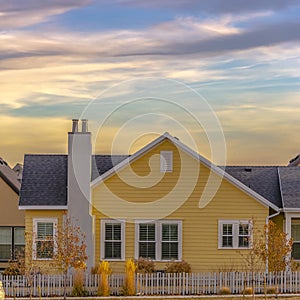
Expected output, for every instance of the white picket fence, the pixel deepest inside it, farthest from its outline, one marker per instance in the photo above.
(155, 283)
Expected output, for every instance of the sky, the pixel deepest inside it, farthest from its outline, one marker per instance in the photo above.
(222, 76)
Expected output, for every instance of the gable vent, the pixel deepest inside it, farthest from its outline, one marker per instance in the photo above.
(166, 161)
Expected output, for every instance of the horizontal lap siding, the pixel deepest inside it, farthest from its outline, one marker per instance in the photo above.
(46, 266)
(200, 226)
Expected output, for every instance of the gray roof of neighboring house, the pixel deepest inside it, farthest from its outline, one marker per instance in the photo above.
(45, 180)
(261, 179)
(290, 186)
(45, 177)
(9, 176)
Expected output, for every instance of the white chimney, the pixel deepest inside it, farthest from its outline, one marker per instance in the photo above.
(79, 178)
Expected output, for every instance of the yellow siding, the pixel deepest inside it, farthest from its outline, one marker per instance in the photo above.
(199, 226)
(46, 266)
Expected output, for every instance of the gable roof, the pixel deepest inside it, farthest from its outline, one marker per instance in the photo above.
(192, 153)
(45, 178)
(9, 176)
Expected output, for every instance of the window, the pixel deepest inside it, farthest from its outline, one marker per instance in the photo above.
(112, 240)
(147, 242)
(166, 161)
(296, 239)
(234, 234)
(169, 246)
(160, 240)
(44, 233)
(12, 242)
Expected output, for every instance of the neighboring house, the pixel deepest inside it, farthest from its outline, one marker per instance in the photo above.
(12, 220)
(154, 203)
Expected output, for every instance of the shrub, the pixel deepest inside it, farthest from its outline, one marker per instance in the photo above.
(178, 267)
(248, 291)
(144, 265)
(78, 289)
(129, 286)
(104, 270)
(224, 290)
(271, 290)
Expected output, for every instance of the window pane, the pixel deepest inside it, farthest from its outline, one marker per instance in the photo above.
(244, 235)
(19, 236)
(147, 250)
(5, 252)
(170, 232)
(243, 241)
(169, 251)
(19, 251)
(227, 241)
(5, 236)
(113, 231)
(44, 249)
(227, 229)
(44, 230)
(112, 250)
(243, 229)
(296, 232)
(147, 232)
(296, 251)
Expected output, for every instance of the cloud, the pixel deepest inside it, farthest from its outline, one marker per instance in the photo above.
(213, 6)
(16, 14)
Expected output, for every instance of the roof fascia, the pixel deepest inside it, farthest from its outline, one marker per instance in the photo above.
(43, 207)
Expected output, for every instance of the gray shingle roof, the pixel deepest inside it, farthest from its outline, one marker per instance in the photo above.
(44, 180)
(290, 186)
(261, 179)
(45, 177)
(103, 163)
(9, 176)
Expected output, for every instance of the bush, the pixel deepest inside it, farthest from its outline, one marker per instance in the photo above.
(224, 290)
(271, 290)
(178, 267)
(248, 291)
(144, 265)
(78, 289)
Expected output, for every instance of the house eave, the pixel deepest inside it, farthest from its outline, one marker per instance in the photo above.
(43, 207)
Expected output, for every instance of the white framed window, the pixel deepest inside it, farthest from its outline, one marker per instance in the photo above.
(166, 161)
(295, 234)
(158, 240)
(234, 234)
(112, 239)
(44, 231)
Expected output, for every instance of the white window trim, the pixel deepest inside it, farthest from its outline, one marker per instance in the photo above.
(158, 238)
(42, 220)
(166, 161)
(235, 234)
(102, 238)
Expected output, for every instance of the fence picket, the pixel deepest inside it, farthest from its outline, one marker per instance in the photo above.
(155, 283)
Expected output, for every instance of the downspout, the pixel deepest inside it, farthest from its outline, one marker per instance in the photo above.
(267, 239)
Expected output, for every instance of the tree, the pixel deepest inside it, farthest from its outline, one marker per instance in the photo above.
(70, 248)
(275, 250)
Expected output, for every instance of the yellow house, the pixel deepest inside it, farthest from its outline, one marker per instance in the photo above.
(12, 221)
(165, 202)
